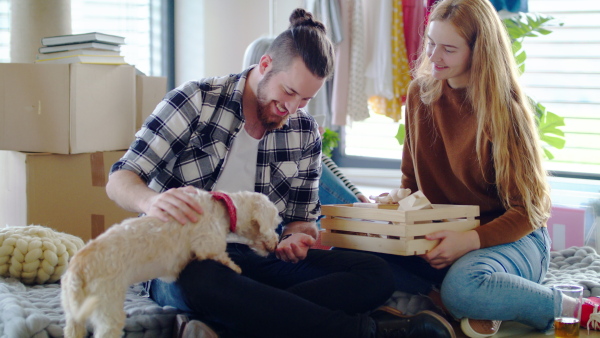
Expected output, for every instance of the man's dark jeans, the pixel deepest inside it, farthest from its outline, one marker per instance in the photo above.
(326, 295)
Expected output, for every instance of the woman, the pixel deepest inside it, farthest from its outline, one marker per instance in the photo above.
(472, 140)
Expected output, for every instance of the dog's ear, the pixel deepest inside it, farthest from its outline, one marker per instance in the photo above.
(265, 213)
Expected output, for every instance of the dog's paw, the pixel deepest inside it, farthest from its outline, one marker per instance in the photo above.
(235, 268)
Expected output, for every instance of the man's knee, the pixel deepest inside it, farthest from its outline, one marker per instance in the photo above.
(200, 278)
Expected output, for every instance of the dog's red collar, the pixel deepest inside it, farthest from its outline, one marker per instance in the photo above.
(220, 196)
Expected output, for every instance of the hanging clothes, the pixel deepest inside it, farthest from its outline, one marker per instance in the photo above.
(341, 75)
(358, 109)
(414, 27)
(392, 107)
(349, 99)
(378, 47)
(328, 12)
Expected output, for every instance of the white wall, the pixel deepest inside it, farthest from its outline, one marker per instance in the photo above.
(211, 36)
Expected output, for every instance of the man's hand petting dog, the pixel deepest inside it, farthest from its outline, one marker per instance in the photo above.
(294, 248)
(174, 204)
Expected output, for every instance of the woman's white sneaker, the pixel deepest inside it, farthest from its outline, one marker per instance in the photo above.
(476, 328)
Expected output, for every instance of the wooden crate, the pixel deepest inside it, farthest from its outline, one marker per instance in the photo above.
(385, 229)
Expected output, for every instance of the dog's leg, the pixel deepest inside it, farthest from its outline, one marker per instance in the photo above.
(73, 329)
(70, 300)
(109, 317)
(224, 259)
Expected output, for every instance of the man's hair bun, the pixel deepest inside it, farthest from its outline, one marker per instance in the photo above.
(300, 17)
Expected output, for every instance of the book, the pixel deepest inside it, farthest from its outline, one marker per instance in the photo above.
(88, 45)
(99, 59)
(81, 38)
(76, 52)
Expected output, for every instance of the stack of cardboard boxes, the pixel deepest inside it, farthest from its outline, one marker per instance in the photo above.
(62, 126)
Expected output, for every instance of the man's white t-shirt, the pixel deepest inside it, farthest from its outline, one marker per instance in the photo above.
(239, 171)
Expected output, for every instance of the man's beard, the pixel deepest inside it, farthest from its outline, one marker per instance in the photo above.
(268, 120)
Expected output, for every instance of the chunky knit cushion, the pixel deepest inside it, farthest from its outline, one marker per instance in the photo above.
(35, 254)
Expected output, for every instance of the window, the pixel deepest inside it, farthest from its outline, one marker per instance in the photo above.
(4, 30)
(139, 21)
(561, 73)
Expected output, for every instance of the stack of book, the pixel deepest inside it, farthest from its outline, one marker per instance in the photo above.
(82, 48)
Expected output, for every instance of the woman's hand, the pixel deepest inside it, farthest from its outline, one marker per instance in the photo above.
(452, 246)
(363, 198)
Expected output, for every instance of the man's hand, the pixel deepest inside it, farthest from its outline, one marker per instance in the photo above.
(453, 245)
(295, 247)
(174, 204)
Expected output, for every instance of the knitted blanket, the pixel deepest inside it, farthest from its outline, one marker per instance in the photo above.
(575, 265)
(36, 311)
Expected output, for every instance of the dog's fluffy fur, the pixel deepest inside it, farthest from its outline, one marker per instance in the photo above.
(140, 249)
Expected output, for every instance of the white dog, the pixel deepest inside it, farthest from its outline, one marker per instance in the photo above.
(140, 249)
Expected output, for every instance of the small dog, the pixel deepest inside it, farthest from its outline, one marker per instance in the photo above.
(140, 249)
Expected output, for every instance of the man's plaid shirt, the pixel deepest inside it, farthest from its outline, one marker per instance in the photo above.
(186, 140)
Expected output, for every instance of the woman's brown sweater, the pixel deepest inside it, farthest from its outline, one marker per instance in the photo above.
(440, 160)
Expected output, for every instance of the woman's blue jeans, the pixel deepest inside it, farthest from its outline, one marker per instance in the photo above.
(499, 282)
(332, 190)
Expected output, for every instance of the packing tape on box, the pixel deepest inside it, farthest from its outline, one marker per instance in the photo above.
(98, 175)
(98, 180)
(98, 225)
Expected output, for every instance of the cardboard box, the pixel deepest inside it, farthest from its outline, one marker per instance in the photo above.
(384, 228)
(64, 192)
(150, 90)
(66, 108)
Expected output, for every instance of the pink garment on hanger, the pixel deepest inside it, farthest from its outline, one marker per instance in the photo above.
(416, 13)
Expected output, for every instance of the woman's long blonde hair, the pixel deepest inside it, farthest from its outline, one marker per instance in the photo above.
(504, 113)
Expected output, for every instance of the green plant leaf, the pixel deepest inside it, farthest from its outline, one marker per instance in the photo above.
(516, 46)
(549, 124)
(401, 134)
(521, 57)
(543, 31)
(549, 129)
(555, 142)
(330, 140)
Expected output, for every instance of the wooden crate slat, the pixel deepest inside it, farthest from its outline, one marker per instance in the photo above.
(374, 244)
(363, 226)
(387, 212)
(442, 211)
(400, 230)
(396, 247)
(427, 228)
(378, 214)
(419, 246)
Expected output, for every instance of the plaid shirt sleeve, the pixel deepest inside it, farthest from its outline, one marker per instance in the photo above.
(166, 132)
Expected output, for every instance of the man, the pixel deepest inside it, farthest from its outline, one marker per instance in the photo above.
(248, 132)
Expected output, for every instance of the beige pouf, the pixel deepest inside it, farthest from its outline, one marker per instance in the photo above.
(36, 254)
